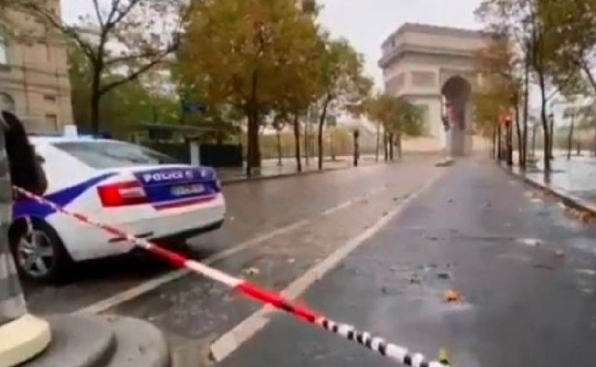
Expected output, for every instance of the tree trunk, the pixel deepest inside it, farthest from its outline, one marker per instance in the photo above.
(518, 131)
(331, 144)
(297, 143)
(306, 143)
(399, 146)
(499, 143)
(322, 119)
(253, 159)
(544, 120)
(279, 148)
(385, 147)
(570, 138)
(509, 140)
(95, 101)
(378, 142)
(493, 148)
(524, 152)
(552, 139)
(534, 128)
(391, 156)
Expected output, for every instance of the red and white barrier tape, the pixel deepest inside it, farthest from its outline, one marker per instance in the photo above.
(394, 352)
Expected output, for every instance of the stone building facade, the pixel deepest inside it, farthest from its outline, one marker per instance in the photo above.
(435, 69)
(34, 74)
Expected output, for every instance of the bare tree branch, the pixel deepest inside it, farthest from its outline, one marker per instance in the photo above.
(135, 74)
(128, 58)
(114, 8)
(45, 14)
(121, 14)
(98, 12)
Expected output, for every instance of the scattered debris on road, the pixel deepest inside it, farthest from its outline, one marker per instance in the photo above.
(415, 281)
(251, 272)
(445, 163)
(444, 357)
(452, 296)
(444, 276)
(560, 253)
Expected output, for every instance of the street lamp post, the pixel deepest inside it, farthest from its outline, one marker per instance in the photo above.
(551, 141)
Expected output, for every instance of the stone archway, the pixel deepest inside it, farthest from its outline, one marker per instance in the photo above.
(456, 94)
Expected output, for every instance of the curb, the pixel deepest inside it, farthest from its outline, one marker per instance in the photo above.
(235, 181)
(568, 199)
(23, 339)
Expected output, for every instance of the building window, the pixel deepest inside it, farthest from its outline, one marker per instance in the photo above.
(49, 98)
(52, 120)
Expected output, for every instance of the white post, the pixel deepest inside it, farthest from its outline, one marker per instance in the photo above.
(195, 153)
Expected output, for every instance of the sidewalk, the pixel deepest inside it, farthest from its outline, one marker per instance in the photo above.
(573, 180)
(271, 169)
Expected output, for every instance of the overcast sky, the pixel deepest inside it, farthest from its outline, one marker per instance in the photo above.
(366, 23)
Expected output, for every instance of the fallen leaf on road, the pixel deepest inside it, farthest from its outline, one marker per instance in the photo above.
(452, 296)
(250, 271)
(445, 276)
(560, 253)
(444, 357)
(586, 217)
(291, 261)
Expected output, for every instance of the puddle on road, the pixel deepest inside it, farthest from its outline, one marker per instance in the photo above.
(589, 272)
(531, 242)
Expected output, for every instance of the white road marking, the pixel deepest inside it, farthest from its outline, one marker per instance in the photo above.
(353, 201)
(586, 272)
(150, 285)
(532, 242)
(242, 332)
(338, 207)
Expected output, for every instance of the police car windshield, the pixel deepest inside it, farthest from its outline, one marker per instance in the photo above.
(102, 155)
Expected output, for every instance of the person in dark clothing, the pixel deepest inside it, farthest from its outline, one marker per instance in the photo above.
(25, 170)
(17, 160)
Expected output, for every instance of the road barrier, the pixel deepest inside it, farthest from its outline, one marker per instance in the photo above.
(379, 345)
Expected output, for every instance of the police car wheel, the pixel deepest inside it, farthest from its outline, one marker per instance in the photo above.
(40, 255)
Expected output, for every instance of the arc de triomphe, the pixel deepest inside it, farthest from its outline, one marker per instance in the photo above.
(435, 69)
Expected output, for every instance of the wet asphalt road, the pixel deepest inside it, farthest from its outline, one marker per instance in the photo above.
(474, 232)
(254, 209)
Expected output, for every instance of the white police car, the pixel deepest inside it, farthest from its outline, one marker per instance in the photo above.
(134, 188)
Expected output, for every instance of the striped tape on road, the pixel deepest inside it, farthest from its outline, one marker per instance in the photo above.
(379, 345)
